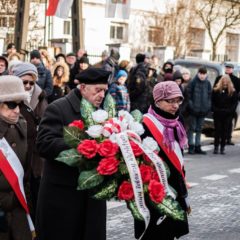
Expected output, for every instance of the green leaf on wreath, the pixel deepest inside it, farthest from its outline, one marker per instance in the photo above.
(89, 179)
(72, 136)
(86, 112)
(167, 169)
(137, 115)
(107, 191)
(123, 168)
(70, 157)
(135, 213)
(109, 105)
(171, 208)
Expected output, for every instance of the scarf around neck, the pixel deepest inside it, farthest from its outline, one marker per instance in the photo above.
(168, 132)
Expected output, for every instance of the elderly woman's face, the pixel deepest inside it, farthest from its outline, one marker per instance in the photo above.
(169, 105)
(10, 111)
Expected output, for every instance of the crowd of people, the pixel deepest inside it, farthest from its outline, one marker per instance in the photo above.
(40, 96)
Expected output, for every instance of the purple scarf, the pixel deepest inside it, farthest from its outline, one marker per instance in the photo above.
(168, 132)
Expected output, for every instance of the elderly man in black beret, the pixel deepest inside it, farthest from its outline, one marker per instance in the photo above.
(62, 211)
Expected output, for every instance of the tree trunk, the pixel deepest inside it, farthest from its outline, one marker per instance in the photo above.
(214, 51)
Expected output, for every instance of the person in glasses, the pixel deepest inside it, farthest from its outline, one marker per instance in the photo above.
(13, 130)
(162, 123)
(199, 91)
(32, 110)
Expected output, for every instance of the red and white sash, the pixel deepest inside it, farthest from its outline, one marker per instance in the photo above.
(13, 171)
(156, 128)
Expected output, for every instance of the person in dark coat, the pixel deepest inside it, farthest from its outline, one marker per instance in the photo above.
(224, 103)
(236, 83)
(140, 84)
(199, 105)
(32, 110)
(13, 128)
(63, 212)
(44, 80)
(111, 64)
(80, 65)
(164, 111)
(60, 81)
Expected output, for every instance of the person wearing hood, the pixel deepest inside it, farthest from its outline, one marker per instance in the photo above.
(44, 75)
(32, 110)
(13, 139)
(119, 91)
(167, 68)
(60, 81)
(111, 64)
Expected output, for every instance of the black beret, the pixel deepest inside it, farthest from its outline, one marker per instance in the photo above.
(93, 76)
(60, 55)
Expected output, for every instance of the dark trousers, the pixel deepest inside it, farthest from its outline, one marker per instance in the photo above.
(222, 130)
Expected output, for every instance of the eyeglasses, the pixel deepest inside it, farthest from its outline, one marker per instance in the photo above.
(172, 101)
(13, 105)
(30, 82)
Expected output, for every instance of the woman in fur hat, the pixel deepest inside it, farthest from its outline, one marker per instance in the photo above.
(60, 81)
(13, 133)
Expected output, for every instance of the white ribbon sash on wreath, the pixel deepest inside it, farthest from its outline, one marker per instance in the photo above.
(13, 171)
(135, 176)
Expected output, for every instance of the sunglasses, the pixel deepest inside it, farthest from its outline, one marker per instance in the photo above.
(172, 101)
(12, 105)
(25, 82)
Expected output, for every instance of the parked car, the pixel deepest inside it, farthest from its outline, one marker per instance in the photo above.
(214, 70)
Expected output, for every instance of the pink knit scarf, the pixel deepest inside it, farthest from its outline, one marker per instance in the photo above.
(168, 132)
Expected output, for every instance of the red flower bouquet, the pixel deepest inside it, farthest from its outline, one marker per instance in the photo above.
(114, 163)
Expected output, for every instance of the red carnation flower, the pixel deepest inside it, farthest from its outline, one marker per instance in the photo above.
(156, 191)
(136, 149)
(155, 176)
(108, 148)
(77, 123)
(146, 172)
(108, 166)
(125, 191)
(88, 148)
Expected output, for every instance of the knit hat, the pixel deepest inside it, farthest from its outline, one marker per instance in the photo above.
(25, 68)
(84, 59)
(121, 73)
(60, 55)
(12, 89)
(166, 90)
(177, 75)
(35, 54)
(93, 76)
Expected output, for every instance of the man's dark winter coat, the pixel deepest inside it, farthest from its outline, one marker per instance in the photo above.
(64, 212)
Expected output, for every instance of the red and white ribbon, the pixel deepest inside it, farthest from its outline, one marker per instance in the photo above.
(13, 171)
(135, 175)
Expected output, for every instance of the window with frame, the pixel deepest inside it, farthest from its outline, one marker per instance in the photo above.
(3, 21)
(66, 27)
(118, 31)
(156, 35)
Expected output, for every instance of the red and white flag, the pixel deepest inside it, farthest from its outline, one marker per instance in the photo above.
(118, 9)
(13, 171)
(59, 8)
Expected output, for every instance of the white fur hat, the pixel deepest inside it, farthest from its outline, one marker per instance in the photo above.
(12, 89)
